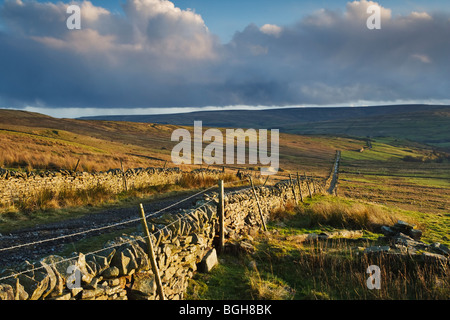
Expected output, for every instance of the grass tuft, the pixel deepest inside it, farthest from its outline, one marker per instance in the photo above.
(337, 212)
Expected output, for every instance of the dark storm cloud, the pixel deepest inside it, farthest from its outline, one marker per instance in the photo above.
(331, 57)
(157, 55)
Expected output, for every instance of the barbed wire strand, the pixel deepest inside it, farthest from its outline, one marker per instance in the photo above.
(105, 248)
(104, 227)
(44, 265)
(113, 225)
(117, 224)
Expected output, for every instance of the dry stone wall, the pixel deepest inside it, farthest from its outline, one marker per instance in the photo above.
(184, 242)
(15, 185)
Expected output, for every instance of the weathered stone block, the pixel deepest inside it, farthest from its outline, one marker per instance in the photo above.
(144, 287)
(6, 292)
(35, 288)
(209, 261)
(66, 296)
(111, 272)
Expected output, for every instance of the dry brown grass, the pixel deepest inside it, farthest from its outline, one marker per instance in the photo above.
(67, 197)
(47, 199)
(337, 212)
(337, 271)
(356, 215)
(39, 142)
(263, 288)
(203, 180)
(32, 152)
(346, 213)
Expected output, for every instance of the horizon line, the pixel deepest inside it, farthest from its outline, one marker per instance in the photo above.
(77, 112)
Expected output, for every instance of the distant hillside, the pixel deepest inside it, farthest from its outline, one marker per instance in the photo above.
(35, 141)
(423, 123)
(430, 126)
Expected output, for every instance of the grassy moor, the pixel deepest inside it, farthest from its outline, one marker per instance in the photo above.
(381, 180)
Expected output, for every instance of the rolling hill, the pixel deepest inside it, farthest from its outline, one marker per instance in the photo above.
(428, 124)
(35, 141)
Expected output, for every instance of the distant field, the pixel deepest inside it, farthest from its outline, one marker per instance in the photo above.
(382, 176)
(430, 127)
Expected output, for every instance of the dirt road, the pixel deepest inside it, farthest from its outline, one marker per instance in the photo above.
(95, 220)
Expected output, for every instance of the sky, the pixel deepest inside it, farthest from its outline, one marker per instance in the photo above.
(160, 56)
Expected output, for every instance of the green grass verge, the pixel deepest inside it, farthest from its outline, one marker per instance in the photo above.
(282, 268)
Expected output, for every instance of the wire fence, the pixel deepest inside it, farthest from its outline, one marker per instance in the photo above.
(117, 224)
(105, 248)
(13, 275)
(113, 225)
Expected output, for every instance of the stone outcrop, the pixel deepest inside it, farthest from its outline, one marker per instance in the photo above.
(338, 235)
(402, 244)
(402, 228)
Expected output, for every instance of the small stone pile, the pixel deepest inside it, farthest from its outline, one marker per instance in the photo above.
(403, 242)
(402, 229)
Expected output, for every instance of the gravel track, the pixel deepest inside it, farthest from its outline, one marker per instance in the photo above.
(80, 224)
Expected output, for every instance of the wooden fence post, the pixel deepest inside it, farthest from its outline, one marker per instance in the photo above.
(124, 177)
(314, 185)
(266, 180)
(293, 189)
(307, 183)
(257, 202)
(299, 187)
(221, 211)
(76, 166)
(151, 255)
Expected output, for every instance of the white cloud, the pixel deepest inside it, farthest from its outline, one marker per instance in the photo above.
(420, 15)
(321, 18)
(154, 26)
(355, 13)
(357, 10)
(422, 58)
(91, 12)
(83, 41)
(165, 29)
(271, 29)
